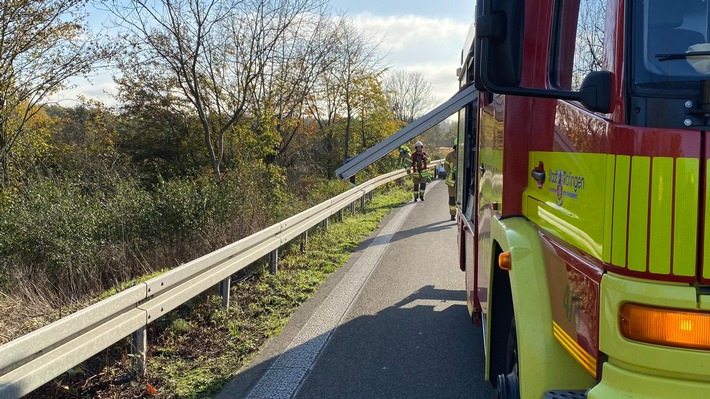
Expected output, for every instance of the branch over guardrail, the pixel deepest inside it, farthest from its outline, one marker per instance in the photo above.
(32, 360)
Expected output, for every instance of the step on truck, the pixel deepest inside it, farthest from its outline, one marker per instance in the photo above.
(584, 228)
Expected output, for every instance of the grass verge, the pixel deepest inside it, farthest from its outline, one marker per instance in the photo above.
(196, 349)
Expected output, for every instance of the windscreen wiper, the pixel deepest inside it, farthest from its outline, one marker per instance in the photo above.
(680, 56)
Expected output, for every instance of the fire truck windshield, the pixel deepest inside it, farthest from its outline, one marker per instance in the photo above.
(675, 42)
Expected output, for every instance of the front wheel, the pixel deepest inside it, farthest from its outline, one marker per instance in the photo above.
(507, 384)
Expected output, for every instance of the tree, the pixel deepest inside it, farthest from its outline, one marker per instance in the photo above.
(158, 130)
(212, 53)
(589, 49)
(410, 95)
(83, 142)
(335, 103)
(306, 53)
(376, 120)
(42, 44)
(358, 58)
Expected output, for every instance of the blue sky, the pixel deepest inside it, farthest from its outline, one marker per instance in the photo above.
(420, 35)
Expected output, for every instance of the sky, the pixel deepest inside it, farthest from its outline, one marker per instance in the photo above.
(419, 35)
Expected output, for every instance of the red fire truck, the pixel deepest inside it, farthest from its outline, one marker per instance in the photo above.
(583, 195)
(584, 227)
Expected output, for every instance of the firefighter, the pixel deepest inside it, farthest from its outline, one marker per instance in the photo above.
(450, 165)
(404, 156)
(420, 170)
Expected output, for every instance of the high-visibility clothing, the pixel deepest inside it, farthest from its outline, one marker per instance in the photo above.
(451, 165)
(419, 161)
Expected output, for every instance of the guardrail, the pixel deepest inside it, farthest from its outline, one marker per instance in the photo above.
(32, 360)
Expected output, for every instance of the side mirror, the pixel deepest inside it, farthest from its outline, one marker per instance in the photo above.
(499, 39)
(498, 59)
(595, 91)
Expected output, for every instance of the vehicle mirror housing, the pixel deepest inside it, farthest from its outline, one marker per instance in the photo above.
(498, 59)
(499, 38)
(595, 91)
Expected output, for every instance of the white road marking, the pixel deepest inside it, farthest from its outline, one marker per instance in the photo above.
(288, 371)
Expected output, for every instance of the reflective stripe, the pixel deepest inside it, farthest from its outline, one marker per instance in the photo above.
(637, 241)
(662, 214)
(659, 250)
(685, 228)
(587, 361)
(608, 208)
(621, 210)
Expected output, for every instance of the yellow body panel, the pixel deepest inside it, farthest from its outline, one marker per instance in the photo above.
(544, 363)
(638, 370)
(638, 213)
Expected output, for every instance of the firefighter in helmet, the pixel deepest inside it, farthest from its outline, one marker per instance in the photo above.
(404, 158)
(420, 170)
(450, 166)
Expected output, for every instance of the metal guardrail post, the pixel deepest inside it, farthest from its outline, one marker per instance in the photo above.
(362, 202)
(224, 287)
(341, 215)
(139, 345)
(370, 194)
(274, 261)
(304, 241)
(325, 223)
(352, 208)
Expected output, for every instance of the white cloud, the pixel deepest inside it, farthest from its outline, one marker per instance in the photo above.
(100, 87)
(428, 45)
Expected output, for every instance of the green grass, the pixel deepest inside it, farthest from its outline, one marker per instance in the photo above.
(196, 349)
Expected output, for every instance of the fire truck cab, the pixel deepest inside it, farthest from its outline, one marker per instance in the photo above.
(582, 196)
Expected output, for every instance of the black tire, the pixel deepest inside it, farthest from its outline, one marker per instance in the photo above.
(507, 384)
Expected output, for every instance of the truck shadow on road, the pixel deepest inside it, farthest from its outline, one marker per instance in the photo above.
(423, 346)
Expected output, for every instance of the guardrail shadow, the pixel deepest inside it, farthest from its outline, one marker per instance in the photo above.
(424, 346)
(404, 234)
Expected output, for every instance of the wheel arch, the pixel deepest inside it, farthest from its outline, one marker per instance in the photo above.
(543, 363)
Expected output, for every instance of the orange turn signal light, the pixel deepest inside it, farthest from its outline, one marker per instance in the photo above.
(665, 326)
(504, 261)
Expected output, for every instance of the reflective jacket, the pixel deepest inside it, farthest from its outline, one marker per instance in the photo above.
(419, 161)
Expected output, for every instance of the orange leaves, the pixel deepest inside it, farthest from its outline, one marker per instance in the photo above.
(150, 390)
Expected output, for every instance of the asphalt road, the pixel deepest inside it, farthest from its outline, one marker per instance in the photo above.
(392, 323)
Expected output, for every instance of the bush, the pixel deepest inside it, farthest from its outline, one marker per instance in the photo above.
(74, 238)
(63, 239)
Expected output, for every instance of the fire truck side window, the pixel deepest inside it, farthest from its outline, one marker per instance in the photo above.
(578, 41)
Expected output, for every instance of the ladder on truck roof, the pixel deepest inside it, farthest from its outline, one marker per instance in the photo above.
(412, 130)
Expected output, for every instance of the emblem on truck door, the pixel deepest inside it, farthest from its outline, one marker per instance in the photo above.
(539, 174)
(564, 179)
